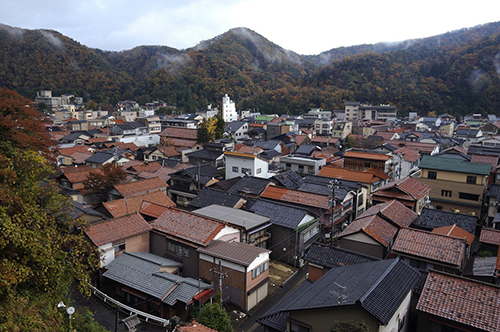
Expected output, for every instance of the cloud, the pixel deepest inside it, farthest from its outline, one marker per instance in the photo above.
(53, 40)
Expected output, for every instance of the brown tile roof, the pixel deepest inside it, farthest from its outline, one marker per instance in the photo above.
(366, 155)
(242, 148)
(72, 150)
(490, 236)
(300, 138)
(139, 187)
(80, 157)
(193, 326)
(377, 173)
(184, 143)
(153, 209)
(461, 300)
(455, 231)
(169, 151)
(394, 211)
(426, 148)
(387, 136)
(492, 160)
(188, 226)
(142, 167)
(428, 245)
(236, 252)
(297, 197)
(374, 226)
(113, 230)
(72, 169)
(80, 176)
(406, 189)
(185, 133)
(121, 207)
(409, 154)
(320, 139)
(346, 174)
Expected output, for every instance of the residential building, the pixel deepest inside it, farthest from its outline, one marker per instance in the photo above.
(322, 257)
(131, 204)
(323, 127)
(408, 191)
(373, 233)
(177, 234)
(152, 122)
(361, 160)
(457, 186)
(302, 164)
(431, 250)
(341, 129)
(452, 303)
(150, 283)
(113, 236)
(135, 188)
(377, 293)
(241, 164)
(229, 113)
(241, 271)
(209, 196)
(429, 219)
(356, 111)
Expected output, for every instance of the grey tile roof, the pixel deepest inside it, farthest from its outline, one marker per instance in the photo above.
(249, 185)
(205, 154)
(431, 218)
(280, 214)
(290, 180)
(99, 157)
(329, 256)
(139, 271)
(210, 196)
(236, 252)
(378, 287)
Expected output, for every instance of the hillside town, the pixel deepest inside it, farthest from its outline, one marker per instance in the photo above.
(374, 218)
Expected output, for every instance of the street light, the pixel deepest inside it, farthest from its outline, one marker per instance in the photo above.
(69, 310)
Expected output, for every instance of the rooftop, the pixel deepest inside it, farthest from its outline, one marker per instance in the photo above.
(236, 252)
(112, 230)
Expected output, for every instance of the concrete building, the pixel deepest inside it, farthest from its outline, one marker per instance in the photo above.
(228, 109)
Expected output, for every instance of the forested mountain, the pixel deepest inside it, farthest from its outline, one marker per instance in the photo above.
(457, 72)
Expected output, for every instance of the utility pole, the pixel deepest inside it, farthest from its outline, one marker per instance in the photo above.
(333, 184)
(221, 278)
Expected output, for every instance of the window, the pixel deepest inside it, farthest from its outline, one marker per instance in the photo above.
(246, 171)
(471, 179)
(119, 247)
(310, 233)
(301, 168)
(297, 327)
(432, 175)
(288, 167)
(258, 171)
(178, 249)
(259, 270)
(468, 196)
(446, 193)
(235, 169)
(368, 165)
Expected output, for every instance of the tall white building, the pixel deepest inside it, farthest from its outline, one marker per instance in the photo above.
(228, 109)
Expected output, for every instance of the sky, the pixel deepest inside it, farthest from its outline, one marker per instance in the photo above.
(305, 27)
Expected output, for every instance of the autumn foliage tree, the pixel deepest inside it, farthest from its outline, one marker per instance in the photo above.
(39, 257)
(102, 181)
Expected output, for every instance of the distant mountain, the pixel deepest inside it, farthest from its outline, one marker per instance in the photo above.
(455, 72)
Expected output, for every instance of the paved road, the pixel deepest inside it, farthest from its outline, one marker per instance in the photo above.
(249, 324)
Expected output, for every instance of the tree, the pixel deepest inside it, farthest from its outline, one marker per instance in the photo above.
(207, 131)
(220, 126)
(350, 326)
(214, 316)
(39, 258)
(103, 180)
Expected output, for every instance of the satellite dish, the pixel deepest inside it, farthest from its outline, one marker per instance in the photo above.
(70, 310)
(61, 305)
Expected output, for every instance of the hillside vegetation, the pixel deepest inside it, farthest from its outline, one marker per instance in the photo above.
(457, 72)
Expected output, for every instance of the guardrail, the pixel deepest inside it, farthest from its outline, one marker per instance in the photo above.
(147, 317)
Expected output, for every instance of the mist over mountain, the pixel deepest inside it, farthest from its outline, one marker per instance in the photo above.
(457, 72)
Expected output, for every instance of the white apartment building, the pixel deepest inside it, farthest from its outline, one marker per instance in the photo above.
(228, 109)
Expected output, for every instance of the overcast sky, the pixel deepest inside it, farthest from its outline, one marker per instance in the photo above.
(305, 27)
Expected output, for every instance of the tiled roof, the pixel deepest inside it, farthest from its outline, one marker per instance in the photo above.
(405, 189)
(453, 165)
(185, 133)
(461, 300)
(127, 205)
(344, 173)
(140, 271)
(297, 197)
(236, 217)
(80, 176)
(366, 155)
(185, 143)
(99, 157)
(112, 230)
(70, 151)
(373, 226)
(427, 245)
(280, 214)
(209, 196)
(236, 252)
(249, 185)
(455, 231)
(426, 148)
(288, 179)
(139, 187)
(193, 326)
(188, 226)
(377, 173)
(492, 160)
(394, 211)
(329, 256)
(431, 218)
(409, 154)
(490, 236)
(152, 209)
(142, 167)
(378, 287)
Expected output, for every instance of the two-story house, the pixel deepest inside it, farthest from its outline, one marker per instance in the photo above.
(457, 186)
(241, 164)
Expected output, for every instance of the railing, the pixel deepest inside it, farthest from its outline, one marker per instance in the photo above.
(147, 317)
